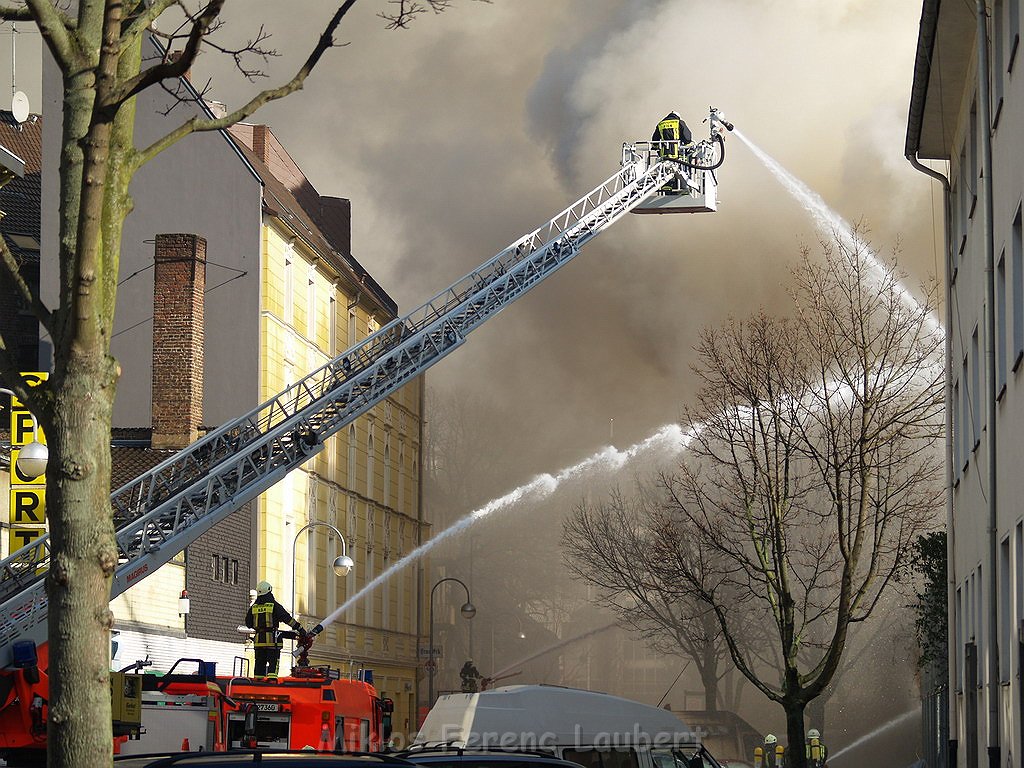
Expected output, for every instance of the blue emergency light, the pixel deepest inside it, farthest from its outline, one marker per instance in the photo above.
(23, 653)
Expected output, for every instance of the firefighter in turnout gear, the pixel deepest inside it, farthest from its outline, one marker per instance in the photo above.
(817, 752)
(470, 677)
(770, 755)
(669, 138)
(263, 616)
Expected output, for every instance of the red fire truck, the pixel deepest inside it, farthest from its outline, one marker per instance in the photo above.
(314, 707)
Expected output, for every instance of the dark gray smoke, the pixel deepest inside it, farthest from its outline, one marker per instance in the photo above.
(457, 135)
(454, 137)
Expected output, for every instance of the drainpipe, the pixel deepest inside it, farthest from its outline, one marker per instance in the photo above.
(985, 116)
(951, 649)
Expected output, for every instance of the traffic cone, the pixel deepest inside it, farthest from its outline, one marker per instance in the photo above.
(184, 745)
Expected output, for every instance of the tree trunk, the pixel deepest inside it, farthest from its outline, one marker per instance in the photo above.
(83, 560)
(796, 756)
(709, 678)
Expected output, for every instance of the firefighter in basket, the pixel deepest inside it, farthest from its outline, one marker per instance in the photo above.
(263, 616)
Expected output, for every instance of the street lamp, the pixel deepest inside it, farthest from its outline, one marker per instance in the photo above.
(33, 456)
(468, 611)
(341, 565)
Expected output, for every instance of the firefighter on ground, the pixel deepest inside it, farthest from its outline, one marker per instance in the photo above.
(264, 615)
(770, 755)
(669, 138)
(817, 752)
(470, 675)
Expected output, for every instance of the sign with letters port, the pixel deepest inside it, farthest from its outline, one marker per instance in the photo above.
(27, 508)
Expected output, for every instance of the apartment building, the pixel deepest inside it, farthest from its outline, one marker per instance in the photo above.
(967, 117)
(229, 219)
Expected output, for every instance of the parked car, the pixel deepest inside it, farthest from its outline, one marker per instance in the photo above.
(261, 757)
(450, 756)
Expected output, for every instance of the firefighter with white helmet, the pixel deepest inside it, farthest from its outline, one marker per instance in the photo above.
(770, 755)
(264, 615)
(816, 751)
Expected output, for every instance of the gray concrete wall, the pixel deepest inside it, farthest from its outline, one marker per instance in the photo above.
(201, 185)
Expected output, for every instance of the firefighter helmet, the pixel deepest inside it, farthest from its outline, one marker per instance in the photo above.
(770, 739)
(264, 588)
(813, 734)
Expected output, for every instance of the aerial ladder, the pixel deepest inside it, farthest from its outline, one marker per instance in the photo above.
(164, 510)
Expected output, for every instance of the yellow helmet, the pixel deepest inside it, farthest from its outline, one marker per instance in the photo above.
(264, 588)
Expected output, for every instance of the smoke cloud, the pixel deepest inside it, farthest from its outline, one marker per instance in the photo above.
(472, 127)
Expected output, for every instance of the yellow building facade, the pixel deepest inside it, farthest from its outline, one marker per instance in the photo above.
(365, 482)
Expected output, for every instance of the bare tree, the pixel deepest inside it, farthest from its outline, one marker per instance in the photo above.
(608, 545)
(97, 45)
(813, 469)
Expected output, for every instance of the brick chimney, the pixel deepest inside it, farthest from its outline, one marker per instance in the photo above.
(179, 281)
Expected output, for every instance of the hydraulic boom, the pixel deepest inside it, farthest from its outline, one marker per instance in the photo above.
(164, 510)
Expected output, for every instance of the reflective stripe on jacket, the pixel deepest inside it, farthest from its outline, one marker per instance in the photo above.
(264, 615)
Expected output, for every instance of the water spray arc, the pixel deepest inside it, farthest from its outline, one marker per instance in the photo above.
(554, 647)
(895, 722)
(828, 221)
(670, 439)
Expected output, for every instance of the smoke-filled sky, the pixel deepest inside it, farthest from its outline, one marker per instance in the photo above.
(472, 127)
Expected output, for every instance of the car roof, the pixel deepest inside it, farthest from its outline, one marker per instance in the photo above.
(447, 753)
(283, 758)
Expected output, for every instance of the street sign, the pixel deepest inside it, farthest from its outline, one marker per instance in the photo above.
(430, 653)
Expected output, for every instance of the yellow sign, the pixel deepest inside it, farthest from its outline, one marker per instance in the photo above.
(28, 494)
(21, 537)
(28, 505)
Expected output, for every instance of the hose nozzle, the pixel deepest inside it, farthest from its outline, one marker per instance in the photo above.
(718, 117)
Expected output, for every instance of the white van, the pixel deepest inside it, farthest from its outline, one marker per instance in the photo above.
(594, 730)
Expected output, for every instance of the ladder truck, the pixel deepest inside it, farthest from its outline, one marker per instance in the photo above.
(162, 511)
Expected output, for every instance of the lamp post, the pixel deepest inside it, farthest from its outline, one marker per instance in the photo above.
(341, 565)
(468, 611)
(33, 456)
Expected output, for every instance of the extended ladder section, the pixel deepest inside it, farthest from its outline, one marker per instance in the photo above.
(164, 510)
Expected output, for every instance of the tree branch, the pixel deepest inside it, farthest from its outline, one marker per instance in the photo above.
(194, 125)
(11, 274)
(142, 21)
(55, 27)
(167, 70)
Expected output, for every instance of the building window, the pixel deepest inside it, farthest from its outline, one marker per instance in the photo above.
(1013, 32)
(1018, 580)
(387, 471)
(998, 56)
(333, 320)
(289, 283)
(975, 389)
(400, 505)
(958, 427)
(964, 198)
(370, 594)
(352, 457)
(958, 623)
(1005, 625)
(369, 465)
(1017, 278)
(972, 152)
(224, 569)
(311, 304)
(1001, 325)
(965, 416)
